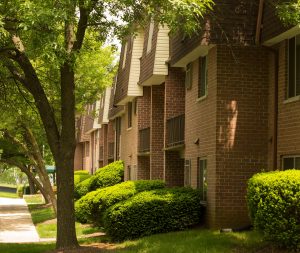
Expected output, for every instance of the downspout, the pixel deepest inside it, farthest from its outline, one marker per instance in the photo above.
(259, 22)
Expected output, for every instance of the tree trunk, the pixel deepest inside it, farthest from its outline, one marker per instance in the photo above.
(32, 186)
(66, 233)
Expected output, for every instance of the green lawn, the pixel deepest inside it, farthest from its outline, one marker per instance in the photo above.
(26, 247)
(8, 195)
(194, 241)
(43, 218)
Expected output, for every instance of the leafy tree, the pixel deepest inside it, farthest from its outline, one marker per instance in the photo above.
(41, 49)
(289, 11)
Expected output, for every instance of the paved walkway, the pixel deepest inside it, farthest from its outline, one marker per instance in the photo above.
(15, 222)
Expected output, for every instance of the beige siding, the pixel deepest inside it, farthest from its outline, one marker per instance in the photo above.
(106, 105)
(137, 50)
(162, 51)
(96, 125)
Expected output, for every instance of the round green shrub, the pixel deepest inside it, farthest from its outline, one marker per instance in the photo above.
(80, 177)
(109, 175)
(274, 206)
(90, 208)
(82, 188)
(153, 212)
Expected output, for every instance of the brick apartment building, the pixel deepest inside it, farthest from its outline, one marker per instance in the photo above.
(95, 136)
(211, 110)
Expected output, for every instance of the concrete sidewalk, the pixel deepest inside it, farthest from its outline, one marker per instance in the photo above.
(15, 222)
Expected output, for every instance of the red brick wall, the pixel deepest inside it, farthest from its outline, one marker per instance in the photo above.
(174, 93)
(157, 132)
(271, 109)
(144, 108)
(174, 169)
(144, 121)
(200, 123)
(174, 106)
(143, 172)
(242, 129)
(288, 113)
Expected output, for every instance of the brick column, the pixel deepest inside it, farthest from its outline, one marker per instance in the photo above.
(157, 132)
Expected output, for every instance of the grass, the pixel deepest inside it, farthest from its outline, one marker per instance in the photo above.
(8, 195)
(196, 241)
(8, 185)
(26, 247)
(44, 219)
(199, 240)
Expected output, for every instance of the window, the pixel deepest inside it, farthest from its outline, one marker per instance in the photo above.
(188, 76)
(293, 88)
(129, 114)
(187, 173)
(124, 55)
(202, 178)
(291, 162)
(202, 82)
(150, 37)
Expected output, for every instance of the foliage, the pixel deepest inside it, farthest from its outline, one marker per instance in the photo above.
(153, 212)
(7, 176)
(82, 188)
(274, 206)
(90, 208)
(289, 11)
(80, 176)
(81, 172)
(20, 191)
(109, 175)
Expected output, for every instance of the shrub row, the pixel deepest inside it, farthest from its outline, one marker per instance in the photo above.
(274, 205)
(107, 176)
(153, 212)
(90, 208)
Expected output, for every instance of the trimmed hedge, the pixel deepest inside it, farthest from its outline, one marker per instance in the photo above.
(80, 175)
(274, 205)
(90, 207)
(109, 175)
(81, 172)
(153, 212)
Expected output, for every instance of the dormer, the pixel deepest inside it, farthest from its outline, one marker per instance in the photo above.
(104, 106)
(153, 62)
(127, 86)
